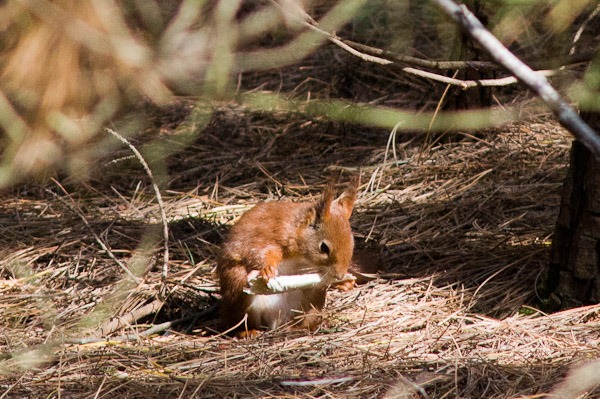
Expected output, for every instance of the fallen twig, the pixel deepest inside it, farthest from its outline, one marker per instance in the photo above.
(155, 329)
(127, 319)
(159, 200)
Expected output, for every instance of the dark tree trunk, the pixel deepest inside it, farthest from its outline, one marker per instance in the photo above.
(573, 277)
(465, 49)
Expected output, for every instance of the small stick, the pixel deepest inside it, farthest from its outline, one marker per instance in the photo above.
(315, 383)
(155, 329)
(161, 205)
(127, 319)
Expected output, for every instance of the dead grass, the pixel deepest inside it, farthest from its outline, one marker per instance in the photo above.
(461, 226)
(458, 226)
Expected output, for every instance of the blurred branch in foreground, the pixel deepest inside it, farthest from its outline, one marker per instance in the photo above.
(389, 118)
(68, 67)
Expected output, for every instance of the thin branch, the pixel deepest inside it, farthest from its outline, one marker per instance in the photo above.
(127, 319)
(340, 43)
(130, 318)
(142, 312)
(159, 200)
(317, 382)
(566, 115)
(385, 57)
(353, 48)
(579, 32)
(447, 65)
(469, 84)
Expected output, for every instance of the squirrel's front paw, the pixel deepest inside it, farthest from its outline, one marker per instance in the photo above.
(344, 285)
(247, 334)
(268, 272)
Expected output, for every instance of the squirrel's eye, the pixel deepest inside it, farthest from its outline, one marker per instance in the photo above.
(324, 248)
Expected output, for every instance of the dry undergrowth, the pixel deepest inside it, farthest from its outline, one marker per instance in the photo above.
(458, 226)
(461, 227)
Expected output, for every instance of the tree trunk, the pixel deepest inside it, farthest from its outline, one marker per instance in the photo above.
(573, 274)
(465, 49)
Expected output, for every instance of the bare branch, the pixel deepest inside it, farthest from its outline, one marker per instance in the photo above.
(469, 84)
(579, 32)
(537, 83)
(159, 200)
(356, 50)
(127, 319)
(585, 56)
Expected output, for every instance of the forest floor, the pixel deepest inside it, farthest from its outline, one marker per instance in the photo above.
(457, 228)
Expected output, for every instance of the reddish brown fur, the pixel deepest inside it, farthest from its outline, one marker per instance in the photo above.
(286, 238)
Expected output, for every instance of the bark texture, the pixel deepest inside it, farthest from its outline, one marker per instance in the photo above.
(572, 278)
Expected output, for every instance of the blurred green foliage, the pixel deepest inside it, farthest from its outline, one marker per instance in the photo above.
(70, 67)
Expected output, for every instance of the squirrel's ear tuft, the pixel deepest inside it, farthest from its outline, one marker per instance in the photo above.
(346, 200)
(310, 217)
(323, 206)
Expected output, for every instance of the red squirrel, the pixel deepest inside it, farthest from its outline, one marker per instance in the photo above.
(285, 238)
